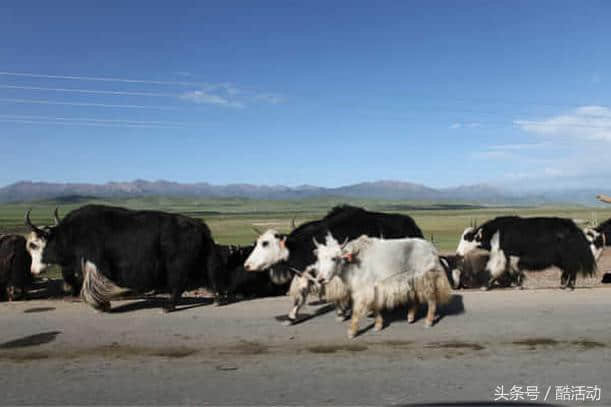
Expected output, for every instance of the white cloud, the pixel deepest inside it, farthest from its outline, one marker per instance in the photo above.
(573, 146)
(200, 96)
(515, 147)
(555, 172)
(471, 125)
(585, 123)
(270, 98)
(508, 151)
(229, 95)
(491, 155)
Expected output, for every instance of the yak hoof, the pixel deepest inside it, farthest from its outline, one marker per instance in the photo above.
(485, 288)
(518, 287)
(104, 307)
(289, 322)
(378, 328)
(428, 324)
(351, 334)
(411, 320)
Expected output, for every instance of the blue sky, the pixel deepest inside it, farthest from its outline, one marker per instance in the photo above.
(325, 93)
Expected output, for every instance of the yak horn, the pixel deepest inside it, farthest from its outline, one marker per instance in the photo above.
(257, 231)
(345, 243)
(56, 217)
(32, 227)
(316, 242)
(292, 224)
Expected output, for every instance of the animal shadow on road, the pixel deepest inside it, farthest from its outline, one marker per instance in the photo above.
(454, 307)
(32, 340)
(305, 317)
(184, 304)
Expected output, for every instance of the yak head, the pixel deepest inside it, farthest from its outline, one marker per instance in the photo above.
(331, 257)
(470, 239)
(37, 242)
(596, 240)
(270, 248)
(453, 266)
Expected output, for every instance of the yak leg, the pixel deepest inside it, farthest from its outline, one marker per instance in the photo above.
(299, 299)
(10, 292)
(341, 309)
(488, 284)
(177, 281)
(72, 282)
(379, 324)
(570, 280)
(515, 271)
(173, 300)
(358, 312)
(519, 280)
(564, 280)
(432, 311)
(412, 310)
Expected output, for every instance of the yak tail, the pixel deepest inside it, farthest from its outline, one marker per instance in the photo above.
(587, 265)
(589, 270)
(97, 288)
(443, 289)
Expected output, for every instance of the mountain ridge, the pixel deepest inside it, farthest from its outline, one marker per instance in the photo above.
(383, 189)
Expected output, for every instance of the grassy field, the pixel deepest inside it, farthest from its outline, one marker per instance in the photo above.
(232, 220)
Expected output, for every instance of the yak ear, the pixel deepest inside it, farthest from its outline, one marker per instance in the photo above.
(350, 257)
(495, 242)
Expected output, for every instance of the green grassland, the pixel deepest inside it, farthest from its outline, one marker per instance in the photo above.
(232, 220)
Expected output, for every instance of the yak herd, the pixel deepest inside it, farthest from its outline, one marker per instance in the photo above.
(362, 261)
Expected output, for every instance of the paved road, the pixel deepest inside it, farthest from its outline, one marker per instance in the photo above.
(62, 352)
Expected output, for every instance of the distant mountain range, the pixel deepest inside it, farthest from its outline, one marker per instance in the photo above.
(391, 190)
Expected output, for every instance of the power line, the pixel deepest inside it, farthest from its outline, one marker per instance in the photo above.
(87, 124)
(49, 102)
(30, 117)
(91, 91)
(107, 79)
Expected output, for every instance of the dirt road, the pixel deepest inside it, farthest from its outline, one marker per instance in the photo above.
(62, 352)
